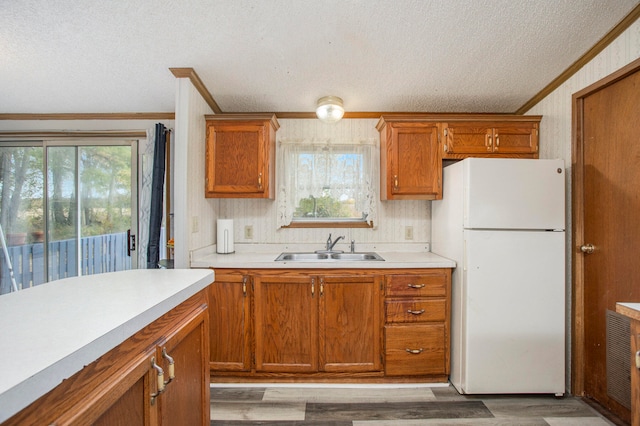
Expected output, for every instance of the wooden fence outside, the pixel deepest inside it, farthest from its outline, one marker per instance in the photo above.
(102, 253)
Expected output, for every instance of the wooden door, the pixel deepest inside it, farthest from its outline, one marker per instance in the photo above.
(286, 323)
(230, 320)
(350, 323)
(606, 205)
(185, 400)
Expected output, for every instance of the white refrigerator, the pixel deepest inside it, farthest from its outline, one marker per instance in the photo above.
(503, 222)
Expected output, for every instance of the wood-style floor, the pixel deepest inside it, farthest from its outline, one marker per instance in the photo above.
(377, 406)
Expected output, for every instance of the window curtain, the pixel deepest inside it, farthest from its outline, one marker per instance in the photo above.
(319, 174)
(145, 167)
(157, 196)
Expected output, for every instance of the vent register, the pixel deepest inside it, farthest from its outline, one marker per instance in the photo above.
(618, 358)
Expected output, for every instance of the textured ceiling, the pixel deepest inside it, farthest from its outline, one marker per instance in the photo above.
(70, 56)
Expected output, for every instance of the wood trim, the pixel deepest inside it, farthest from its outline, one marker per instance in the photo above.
(132, 134)
(577, 214)
(91, 116)
(583, 60)
(191, 74)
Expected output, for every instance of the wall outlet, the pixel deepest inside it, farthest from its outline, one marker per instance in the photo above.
(408, 232)
(248, 232)
(195, 225)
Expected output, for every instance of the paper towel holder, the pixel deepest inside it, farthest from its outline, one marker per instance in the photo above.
(225, 243)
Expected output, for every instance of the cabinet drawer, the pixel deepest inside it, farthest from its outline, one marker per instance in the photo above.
(434, 284)
(415, 350)
(418, 310)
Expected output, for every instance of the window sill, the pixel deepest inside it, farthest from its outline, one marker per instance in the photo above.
(330, 224)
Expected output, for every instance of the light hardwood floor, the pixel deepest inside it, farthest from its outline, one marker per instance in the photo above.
(377, 406)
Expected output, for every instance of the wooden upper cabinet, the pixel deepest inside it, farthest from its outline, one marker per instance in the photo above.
(410, 162)
(240, 155)
(490, 139)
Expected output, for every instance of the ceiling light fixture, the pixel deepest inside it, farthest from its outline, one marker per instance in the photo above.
(330, 109)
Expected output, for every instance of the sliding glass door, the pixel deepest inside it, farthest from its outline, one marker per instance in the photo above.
(67, 209)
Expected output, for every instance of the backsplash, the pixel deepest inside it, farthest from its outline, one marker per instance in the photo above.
(393, 216)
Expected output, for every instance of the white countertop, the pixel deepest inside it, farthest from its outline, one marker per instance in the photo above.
(262, 256)
(51, 331)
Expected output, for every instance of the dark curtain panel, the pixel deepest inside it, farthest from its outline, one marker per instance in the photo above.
(157, 193)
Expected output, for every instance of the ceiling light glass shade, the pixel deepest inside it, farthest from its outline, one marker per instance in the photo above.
(330, 109)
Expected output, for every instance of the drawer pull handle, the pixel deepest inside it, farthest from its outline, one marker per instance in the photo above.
(416, 285)
(172, 370)
(420, 312)
(414, 351)
(638, 360)
(160, 378)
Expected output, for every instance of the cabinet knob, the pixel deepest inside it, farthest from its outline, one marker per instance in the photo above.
(395, 181)
(260, 180)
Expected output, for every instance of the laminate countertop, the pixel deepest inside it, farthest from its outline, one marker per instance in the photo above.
(262, 256)
(51, 331)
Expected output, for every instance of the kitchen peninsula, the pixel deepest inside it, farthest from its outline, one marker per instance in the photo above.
(83, 348)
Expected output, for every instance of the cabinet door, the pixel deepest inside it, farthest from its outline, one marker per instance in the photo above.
(185, 400)
(235, 159)
(122, 398)
(286, 323)
(515, 138)
(468, 138)
(229, 326)
(350, 323)
(414, 165)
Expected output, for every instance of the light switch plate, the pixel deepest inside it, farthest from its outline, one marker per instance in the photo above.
(408, 232)
(248, 232)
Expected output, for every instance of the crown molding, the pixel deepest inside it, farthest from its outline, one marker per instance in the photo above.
(583, 60)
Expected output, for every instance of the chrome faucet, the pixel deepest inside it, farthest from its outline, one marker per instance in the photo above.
(331, 244)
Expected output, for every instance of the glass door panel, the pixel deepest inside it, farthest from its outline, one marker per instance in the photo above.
(62, 212)
(21, 217)
(105, 208)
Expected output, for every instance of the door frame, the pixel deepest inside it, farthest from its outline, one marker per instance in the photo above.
(577, 213)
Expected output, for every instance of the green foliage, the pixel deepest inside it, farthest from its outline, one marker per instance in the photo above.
(325, 207)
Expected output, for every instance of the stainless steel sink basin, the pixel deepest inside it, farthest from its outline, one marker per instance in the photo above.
(324, 257)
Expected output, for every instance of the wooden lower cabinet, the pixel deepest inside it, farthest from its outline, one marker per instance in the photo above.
(286, 318)
(318, 325)
(417, 312)
(311, 324)
(230, 331)
(119, 387)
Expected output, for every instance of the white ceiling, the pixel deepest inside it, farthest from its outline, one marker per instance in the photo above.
(70, 56)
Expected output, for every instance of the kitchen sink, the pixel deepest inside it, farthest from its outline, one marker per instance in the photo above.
(316, 257)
